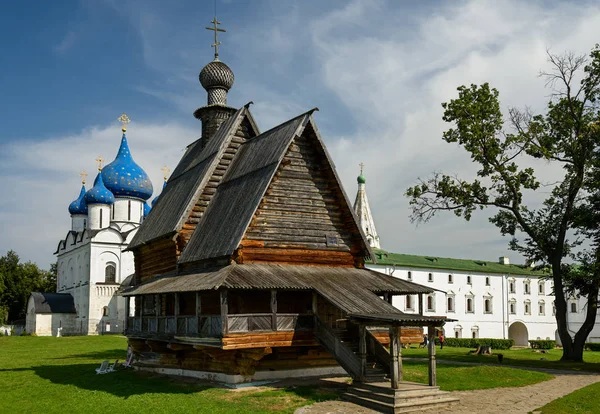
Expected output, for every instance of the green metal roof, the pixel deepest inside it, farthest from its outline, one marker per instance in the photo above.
(464, 265)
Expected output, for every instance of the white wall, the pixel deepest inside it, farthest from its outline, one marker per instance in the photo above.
(494, 324)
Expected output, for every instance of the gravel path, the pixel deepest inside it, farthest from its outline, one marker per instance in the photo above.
(490, 401)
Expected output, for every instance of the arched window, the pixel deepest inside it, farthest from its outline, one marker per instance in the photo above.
(450, 304)
(512, 306)
(511, 287)
(541, 287)
(526, 287)
(84, 224)
(409, 275)
(469, 305)
(542, 307)
(430, 277)
(573, 307)
(430, 303)
(105, 311)
(409, 302)
(450, 279)
(101, 218)
(128, 209)
(527, 307)
(110, 273)
(487, 307)
(487, 281)
(468, 280)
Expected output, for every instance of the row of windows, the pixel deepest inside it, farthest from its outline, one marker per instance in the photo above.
(511, 285)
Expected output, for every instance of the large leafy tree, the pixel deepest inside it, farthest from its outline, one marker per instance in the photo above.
(17, 281)
(563, 228)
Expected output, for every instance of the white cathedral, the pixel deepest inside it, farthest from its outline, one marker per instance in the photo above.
(93, 263)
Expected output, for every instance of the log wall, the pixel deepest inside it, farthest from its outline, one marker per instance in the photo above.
(156, 258)
(303, 217)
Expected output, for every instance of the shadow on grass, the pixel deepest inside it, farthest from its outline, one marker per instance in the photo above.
(122, 383)
(108, 354)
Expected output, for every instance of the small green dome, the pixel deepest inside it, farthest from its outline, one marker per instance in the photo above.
(361, 179)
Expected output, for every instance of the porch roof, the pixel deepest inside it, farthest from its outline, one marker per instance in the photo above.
(275, 276)
(398, 319)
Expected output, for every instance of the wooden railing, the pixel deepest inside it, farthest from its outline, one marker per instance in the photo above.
(343, 354)
(380, 353)
(212, 325)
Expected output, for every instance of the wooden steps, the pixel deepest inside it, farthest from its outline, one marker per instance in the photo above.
(411, 397)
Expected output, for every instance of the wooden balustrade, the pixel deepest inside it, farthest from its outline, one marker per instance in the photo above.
(212, 325)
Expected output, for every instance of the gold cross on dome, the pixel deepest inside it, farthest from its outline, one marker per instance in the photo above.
(216, 29)
(124, 120)
(361, 167)
(165, 171)
(99, 160)
(83, 174)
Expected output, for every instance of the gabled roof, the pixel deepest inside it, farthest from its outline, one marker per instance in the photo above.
(188, 181)
(53, 302)
(238, 196)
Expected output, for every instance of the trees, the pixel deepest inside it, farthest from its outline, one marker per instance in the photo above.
(17, 281)
(565, 224)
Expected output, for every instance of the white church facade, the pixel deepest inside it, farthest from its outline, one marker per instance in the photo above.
(487, 299)
(92, 261)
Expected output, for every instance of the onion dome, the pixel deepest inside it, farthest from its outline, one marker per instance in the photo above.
(217, 79)
(99, 194)
(124, 178)
(79, 206)
(147, 209)
(361, 179)
(156, 198)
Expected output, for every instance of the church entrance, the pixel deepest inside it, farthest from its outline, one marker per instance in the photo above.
(518, 332)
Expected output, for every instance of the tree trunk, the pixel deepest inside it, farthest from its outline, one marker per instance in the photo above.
(573, 346)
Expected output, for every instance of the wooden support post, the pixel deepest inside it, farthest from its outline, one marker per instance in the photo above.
(390, 297)
(224, 311)
(273, 309)
(198, 312)
(396, 367)
(432, 363)
(314, 303)
(126, 322)
(157, 308)
(362, 351)
(420, 304)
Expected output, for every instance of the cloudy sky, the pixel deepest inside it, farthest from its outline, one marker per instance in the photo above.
(378, 71)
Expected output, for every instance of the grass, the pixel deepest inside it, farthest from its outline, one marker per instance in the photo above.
(584, 400)
(51, 375)
(513, 357)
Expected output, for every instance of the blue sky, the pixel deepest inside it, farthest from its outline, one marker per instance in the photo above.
(378, 70)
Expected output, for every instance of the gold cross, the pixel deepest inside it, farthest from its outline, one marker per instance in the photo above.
(216, 29)
(124, 119)
(165, 171)
(83, 176)
(99, 160)
(361, 167)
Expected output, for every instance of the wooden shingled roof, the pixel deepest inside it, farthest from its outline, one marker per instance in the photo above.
(188, 180)
(352, 290)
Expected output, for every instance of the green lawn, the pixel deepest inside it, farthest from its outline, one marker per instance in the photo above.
(514, 357)
(51, 375)
(584, 400)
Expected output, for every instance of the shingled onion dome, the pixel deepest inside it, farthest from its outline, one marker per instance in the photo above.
(99, 194)
(79, 206)
(124, 178)
(217, 79)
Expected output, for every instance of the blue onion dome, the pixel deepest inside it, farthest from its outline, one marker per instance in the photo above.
(156, 198)
(79, 206)
(147, 209)
(99, 194)
(124, 178)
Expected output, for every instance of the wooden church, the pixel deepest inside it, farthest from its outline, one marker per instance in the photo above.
(250, 265)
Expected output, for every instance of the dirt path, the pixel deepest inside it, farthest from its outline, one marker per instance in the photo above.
(490, 401)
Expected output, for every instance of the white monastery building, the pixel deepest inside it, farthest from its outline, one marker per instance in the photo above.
(93, 263)
(487, 299)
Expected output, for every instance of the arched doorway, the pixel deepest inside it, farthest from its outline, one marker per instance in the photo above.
(518, 332)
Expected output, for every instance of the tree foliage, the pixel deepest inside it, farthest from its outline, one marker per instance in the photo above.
(17, 281)
(565, 224)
